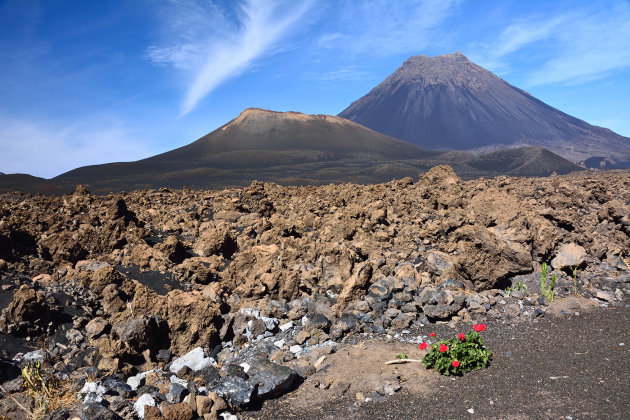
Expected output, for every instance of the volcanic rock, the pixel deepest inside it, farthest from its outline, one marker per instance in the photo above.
(569, 255)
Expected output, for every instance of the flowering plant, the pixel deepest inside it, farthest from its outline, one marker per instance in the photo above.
(458, 355)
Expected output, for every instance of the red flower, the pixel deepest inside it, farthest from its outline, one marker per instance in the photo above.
(432, 334)
(479, 327)
(461, 336)
(422, 346)
(455, 363)
(443, 348)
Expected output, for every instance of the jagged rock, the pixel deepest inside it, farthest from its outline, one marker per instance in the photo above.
(273, 380)
(441, 304)
(144, 400)
(215, 242)
(95, 412)
(569, 255)
(236, 391)
(210, 376)
(316, 322)
(28, 313)
(139, 333)
(96, 327)
(176, 393)
(195, 359)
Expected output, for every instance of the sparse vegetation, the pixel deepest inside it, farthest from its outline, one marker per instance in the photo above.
(547, 290)
(520, 286)
(48, 391)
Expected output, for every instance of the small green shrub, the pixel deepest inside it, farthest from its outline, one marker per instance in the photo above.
(517, 286)
(458, 355)
(547, 291)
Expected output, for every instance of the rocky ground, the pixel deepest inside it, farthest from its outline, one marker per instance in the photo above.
(181, 304)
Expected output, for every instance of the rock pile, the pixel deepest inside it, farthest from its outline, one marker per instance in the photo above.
(251, 287)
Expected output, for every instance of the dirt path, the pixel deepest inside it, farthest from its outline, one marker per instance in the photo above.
(570, 366)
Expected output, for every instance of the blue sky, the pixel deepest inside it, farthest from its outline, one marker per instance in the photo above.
(93, 81)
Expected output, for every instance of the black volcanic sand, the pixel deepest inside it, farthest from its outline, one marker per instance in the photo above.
(561, 367)
(160, 283)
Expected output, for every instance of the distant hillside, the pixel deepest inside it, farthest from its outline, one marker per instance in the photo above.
(448, 102)
(289, 148)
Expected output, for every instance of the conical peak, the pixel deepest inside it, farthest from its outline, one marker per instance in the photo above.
(442, 69)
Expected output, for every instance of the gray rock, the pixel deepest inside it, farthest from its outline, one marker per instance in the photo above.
(210, 376)
(451, 284)
(14, 385)
(605, 296)
(317, 322)
(115, 387)
(341, 387)
(234, 390)
(235, 370)
(381, 290)
(138, 333)
(256, 327)
(392, 313)
(176, 393)
(403, 320)
(96, 327)
(441, 304)
(35, 356)
(438, 262)
(164, 355)
(74, 336)
(273, 380)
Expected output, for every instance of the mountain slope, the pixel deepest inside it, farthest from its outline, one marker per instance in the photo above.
(287, 147)
(292, 149)
(449, 102)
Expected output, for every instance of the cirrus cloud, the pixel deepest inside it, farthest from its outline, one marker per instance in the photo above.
(211, 46)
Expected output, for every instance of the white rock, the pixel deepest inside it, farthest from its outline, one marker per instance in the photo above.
(145, 399)
(92, 388)
(471, 411)
(295, 349)
(175, 380)
(195, 359)
(92, 398)
(279, 343)
(287, 326)
(270, 323)
(134, 381)
(246, 366)
(251, 312)
(228, 416)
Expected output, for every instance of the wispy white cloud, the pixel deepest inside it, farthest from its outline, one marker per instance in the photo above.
(385, 27)
(348, 73)
(47, 150)
(572, 46)
(211, 47)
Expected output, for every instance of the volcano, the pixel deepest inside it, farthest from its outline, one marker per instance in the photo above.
(448, 102)
(288, 148)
